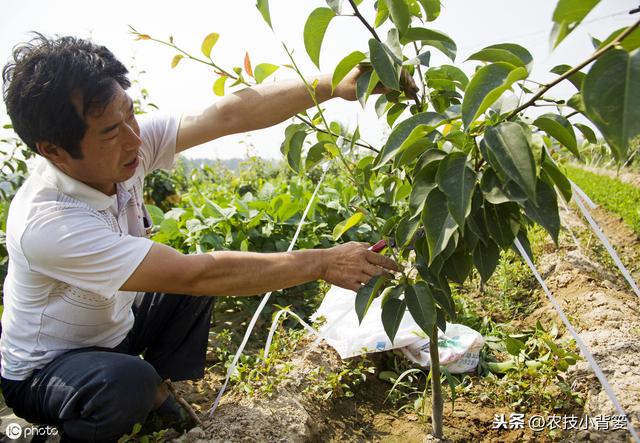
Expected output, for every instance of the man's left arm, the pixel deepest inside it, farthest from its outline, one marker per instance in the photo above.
(258, 107)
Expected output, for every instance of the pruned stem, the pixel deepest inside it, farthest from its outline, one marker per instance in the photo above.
(187, 407)
(573, 70)
(437, 405)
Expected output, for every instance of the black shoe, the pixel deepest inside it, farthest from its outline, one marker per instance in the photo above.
(170, 414)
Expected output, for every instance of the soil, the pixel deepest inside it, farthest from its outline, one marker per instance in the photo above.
(598, 302)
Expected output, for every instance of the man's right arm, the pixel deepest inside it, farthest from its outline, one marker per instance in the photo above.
(250, 273)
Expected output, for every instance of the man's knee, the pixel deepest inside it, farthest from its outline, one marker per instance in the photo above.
(120, 396)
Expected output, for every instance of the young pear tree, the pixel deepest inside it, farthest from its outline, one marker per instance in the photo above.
(458, 179)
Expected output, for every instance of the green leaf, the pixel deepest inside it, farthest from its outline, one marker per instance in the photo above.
(395, 112)
(314, 30)
(421, 306)
(446, 77)
(458, 267)
(264, 70)
(347, 224)
(560, 180)
(486, 86)
(559, 128)
(630, 42)
(431, 37)
(513, 345)
(576, 78)
(218, 86)
(457, 181)
(208, 42)
(365, 85)
(545, 213)
(383, 64)
(505, 52)
(431, 9)
(611, 94)
(485, 259)
(399, 12)
(492, 187)
(367, 293)
(405, 230)
(510, 148)
(345, 66)
(576, 102)
(362, 85)
(567, 16)
(315, 155)
(587, 133)
(382, 13)
(156, 214)
(423, 182)
(524, 241)
(392, 314)
(438, 223)
(294, 150)
(502, 222)
(263, 7)
(407, 132)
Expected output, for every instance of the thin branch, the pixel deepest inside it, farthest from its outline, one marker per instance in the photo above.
(575, 69)
(422, 82)
(187, 407)
(571, 114)
(363, 20)
(189, 56)
(316, 128)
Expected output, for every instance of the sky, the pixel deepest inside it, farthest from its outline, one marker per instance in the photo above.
(188, 87)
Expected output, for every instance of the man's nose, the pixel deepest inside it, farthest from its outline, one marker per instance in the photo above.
(132, 140)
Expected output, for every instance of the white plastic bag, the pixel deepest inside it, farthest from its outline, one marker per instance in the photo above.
(459, 347)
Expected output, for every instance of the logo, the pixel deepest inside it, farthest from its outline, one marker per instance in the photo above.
(13, 431)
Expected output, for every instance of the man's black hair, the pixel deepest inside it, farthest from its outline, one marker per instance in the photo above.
(40, 80)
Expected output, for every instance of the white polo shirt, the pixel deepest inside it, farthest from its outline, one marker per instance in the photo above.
(70, 249)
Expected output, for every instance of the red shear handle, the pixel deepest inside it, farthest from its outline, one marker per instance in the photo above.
(378, 246)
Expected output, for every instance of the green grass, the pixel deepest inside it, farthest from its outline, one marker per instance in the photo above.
(620, 198)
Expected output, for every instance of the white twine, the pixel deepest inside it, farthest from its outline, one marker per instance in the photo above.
(579, 196)
(274, 326)
(583, 348)
(265, 299)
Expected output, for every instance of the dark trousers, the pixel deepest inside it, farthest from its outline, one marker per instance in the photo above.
(98, 394)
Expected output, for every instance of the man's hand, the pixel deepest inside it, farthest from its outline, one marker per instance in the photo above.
(351, 264)
(346, 89)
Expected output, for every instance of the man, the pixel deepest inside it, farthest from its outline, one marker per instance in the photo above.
(86, 292)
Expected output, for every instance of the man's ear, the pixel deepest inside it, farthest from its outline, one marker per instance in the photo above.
(52, 152)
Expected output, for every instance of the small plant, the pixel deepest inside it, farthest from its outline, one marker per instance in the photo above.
(136, 436)
(341, 383)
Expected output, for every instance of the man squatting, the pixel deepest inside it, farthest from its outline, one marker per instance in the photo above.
(87, 292)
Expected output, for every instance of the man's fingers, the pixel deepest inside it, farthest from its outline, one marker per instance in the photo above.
(355, 286)
(372, 270)
(381, 260)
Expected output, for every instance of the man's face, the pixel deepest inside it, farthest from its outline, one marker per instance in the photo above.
(109, 147)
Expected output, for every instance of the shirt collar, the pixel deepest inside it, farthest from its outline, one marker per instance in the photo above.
(72, 187)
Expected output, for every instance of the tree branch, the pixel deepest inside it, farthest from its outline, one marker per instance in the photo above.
(575, 69)
(363, 20)
(314, 127)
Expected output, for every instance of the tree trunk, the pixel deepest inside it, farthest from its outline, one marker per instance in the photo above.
(436, 387)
